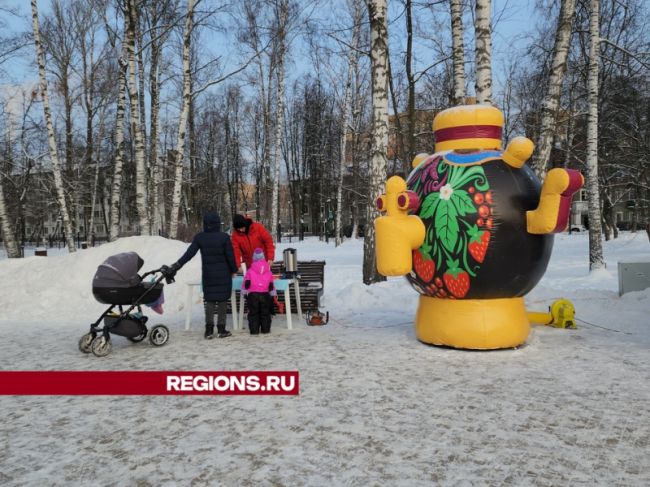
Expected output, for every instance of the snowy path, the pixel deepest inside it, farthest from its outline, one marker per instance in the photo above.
(374, 409)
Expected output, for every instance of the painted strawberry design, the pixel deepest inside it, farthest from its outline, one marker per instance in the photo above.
(424, 266)
(456, 279)
(478, 243)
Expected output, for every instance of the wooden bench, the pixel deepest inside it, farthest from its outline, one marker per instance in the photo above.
(312, 284)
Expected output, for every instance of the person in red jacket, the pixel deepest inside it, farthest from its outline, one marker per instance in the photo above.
(246, 237)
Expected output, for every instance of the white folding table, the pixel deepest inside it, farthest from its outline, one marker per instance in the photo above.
(281, 285)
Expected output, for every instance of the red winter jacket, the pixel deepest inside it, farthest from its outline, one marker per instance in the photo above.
(244, 244)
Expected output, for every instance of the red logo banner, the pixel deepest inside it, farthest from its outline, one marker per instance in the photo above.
(149, 383)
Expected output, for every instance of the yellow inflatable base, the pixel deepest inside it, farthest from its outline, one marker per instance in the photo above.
(479, 324)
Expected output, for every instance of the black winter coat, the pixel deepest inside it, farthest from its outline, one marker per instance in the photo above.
(217, 258)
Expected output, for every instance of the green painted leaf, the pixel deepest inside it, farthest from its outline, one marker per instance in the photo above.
(475, 234)
(425, 249)
(453, 267)
(462, 175)
(447, 224)
(429, 206)
(463, 202)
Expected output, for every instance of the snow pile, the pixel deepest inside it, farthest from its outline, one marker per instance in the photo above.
(39, 288)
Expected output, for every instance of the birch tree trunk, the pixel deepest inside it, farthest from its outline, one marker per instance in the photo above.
(551, 101)
(262, 204)
(157, 204)
(283, 15)
(87, 48)
(56, 166)
(377, 11)
(93, 202)
(357, 116)
(406, 164)
(89, 92)
(346, 114)
(159, 13)
(140, 61)
(134, 102)
(400, 153)
(8, 237)
(182, 123)
(116, 186)
(262, 168)
(458, 51)
(483, 36)
(596, 260)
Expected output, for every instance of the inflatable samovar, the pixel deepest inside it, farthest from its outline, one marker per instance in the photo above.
(472, 230)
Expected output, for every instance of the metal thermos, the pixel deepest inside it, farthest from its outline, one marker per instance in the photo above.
(290, 261)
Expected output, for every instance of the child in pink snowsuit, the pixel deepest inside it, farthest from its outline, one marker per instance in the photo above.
(259, 289)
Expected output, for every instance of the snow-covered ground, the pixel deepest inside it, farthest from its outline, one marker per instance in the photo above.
(376, 407)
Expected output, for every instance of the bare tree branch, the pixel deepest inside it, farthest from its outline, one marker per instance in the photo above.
(348, 45)
(633, 55)
(231, 74)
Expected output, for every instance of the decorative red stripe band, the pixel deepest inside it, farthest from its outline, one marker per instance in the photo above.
(146, 383)
(468, 132)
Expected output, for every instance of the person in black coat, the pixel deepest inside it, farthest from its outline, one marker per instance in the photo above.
(218, 267)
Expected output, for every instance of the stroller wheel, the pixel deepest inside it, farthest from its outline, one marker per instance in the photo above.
(159, 335)
(139, 338)
(85, 341)
(101, 346)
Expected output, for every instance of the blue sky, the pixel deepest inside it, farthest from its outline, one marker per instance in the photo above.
(513, 20)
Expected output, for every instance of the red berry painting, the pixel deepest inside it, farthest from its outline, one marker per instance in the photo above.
(424, 266)
(456, 207)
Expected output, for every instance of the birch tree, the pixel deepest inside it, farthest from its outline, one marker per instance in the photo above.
(159, 14)
(10, 46)
(93, 201)
(8, 238)
(136, 125)
(182, 123)
(410, 79)
(377, 11)
(483, 36)
(346, 112)
(253, 36)
(282, 18)
(551, 101)
(596, 259)
(458, 51)
(94, 91)
(59, 37)
(54, 157)
(116, 185)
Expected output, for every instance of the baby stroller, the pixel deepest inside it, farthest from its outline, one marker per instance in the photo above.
(118, 284)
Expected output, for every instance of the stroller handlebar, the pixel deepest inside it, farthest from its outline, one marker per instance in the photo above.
(165, 273)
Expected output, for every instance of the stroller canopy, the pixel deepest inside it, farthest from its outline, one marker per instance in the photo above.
(119, 270)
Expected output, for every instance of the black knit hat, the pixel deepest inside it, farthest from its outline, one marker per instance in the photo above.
(239, 221)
